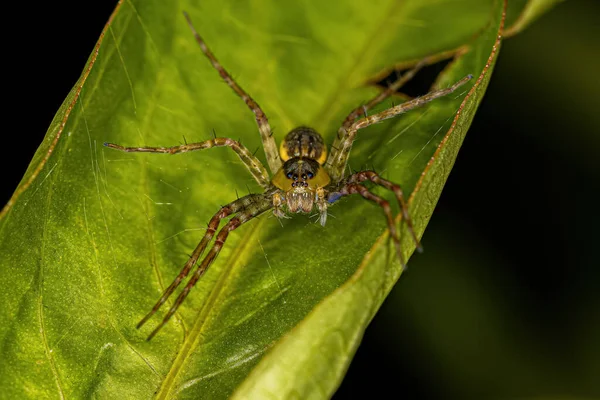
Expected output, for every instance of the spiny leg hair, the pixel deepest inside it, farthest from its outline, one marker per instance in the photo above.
(266, 134)
(244, 209)
(352, 188)
(372, 176)
(340, 151)
(253, 164)
(393, 88)
(225, 211)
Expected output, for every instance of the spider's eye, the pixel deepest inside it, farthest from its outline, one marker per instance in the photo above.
(289, 175)
(310, 175)
(303, 176)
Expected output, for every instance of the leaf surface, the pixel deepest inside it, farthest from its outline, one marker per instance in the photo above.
(93, 236)
(522, 13)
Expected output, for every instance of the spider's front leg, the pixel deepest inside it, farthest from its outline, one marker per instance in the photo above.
(348, 188)
(353, 184)
(244, 210)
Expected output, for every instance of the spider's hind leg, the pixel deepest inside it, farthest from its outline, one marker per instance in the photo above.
(363, 109)
(340, 150)
(393, 88)
(266, 133)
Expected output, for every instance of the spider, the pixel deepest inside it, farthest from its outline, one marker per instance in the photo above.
(304, 176)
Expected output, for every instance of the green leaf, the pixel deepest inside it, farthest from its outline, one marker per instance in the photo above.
(522, 13)
(93, 236)
(347, 311)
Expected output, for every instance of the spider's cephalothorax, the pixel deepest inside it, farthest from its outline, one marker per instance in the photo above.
(301, 178)
(308, 177)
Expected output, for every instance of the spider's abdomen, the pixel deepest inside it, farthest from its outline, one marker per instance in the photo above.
(303, 142)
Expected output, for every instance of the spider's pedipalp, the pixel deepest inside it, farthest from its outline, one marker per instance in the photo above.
(253, 164)
(266, 135)
(253, 206)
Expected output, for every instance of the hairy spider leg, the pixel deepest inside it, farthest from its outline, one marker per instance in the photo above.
(372, 176)
(256, 168)
(340, 151)
(393, 88)
(225, 211)
(259, 204)
(269, 145)
(352, 188)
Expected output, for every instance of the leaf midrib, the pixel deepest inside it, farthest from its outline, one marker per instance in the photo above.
(47, 350)
(194, 339)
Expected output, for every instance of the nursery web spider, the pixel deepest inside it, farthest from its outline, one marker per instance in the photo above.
(303, 178)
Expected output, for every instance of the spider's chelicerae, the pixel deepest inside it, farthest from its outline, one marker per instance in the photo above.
(304, 176)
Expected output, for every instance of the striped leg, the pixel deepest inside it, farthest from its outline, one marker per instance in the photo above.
(231, 208)
(253, 206)
(351, 188)
(341, 149)
(253, 164)
(266, 135)
(393, 88)
(375, 178)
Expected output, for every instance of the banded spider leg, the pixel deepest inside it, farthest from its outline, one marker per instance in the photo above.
(252, 163)
(353, 184)
(243, 210)
(389, 91)
(246, 208)
(266, 133)
(340, 150)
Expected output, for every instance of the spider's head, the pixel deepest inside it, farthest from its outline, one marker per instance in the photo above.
(300, 178)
